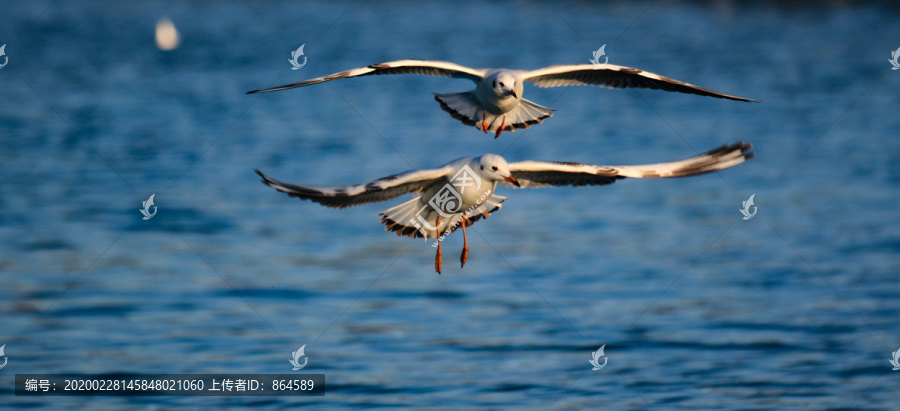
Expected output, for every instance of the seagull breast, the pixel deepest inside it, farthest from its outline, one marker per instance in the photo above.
(491, 96)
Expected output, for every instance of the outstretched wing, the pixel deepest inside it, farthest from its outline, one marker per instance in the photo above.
(544, 174)
(383, 189)
(424, 67)
(612, 76)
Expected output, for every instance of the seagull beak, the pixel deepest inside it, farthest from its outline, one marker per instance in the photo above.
(513, 93)
(513, 180)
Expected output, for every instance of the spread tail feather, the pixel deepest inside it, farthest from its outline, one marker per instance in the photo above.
(466, 108)
(416, 220)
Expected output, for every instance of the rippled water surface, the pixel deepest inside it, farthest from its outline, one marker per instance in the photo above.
(794, 308)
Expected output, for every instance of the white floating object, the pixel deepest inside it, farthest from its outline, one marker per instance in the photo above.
(166, 34)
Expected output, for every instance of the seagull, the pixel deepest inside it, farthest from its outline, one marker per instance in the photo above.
(462, 191)
(496, 104)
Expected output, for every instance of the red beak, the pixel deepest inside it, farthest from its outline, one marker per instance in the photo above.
(513, 180)
(513, 92)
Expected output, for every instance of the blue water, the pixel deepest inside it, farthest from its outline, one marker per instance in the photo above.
(794, 308)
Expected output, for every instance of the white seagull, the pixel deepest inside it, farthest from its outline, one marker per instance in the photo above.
(461, 192)
(496, 104)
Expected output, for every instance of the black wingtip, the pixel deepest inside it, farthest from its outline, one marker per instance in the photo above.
(253, 92)
(746, 150)
(265, 179)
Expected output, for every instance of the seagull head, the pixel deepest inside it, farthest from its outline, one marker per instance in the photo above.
(495, 168)
(505, 85)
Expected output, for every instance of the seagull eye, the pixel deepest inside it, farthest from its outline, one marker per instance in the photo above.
(501, 84)
(494, 168)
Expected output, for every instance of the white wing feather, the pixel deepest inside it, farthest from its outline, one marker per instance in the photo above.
(544, 174)
(613, 76)
(424, 67)
(383, 189)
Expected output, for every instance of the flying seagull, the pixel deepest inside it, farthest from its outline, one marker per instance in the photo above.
(461, 192)
(496, 104)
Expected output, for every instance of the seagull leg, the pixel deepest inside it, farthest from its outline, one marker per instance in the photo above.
(465, 252)
(484, 122)
(437, 257)
(500, 130)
